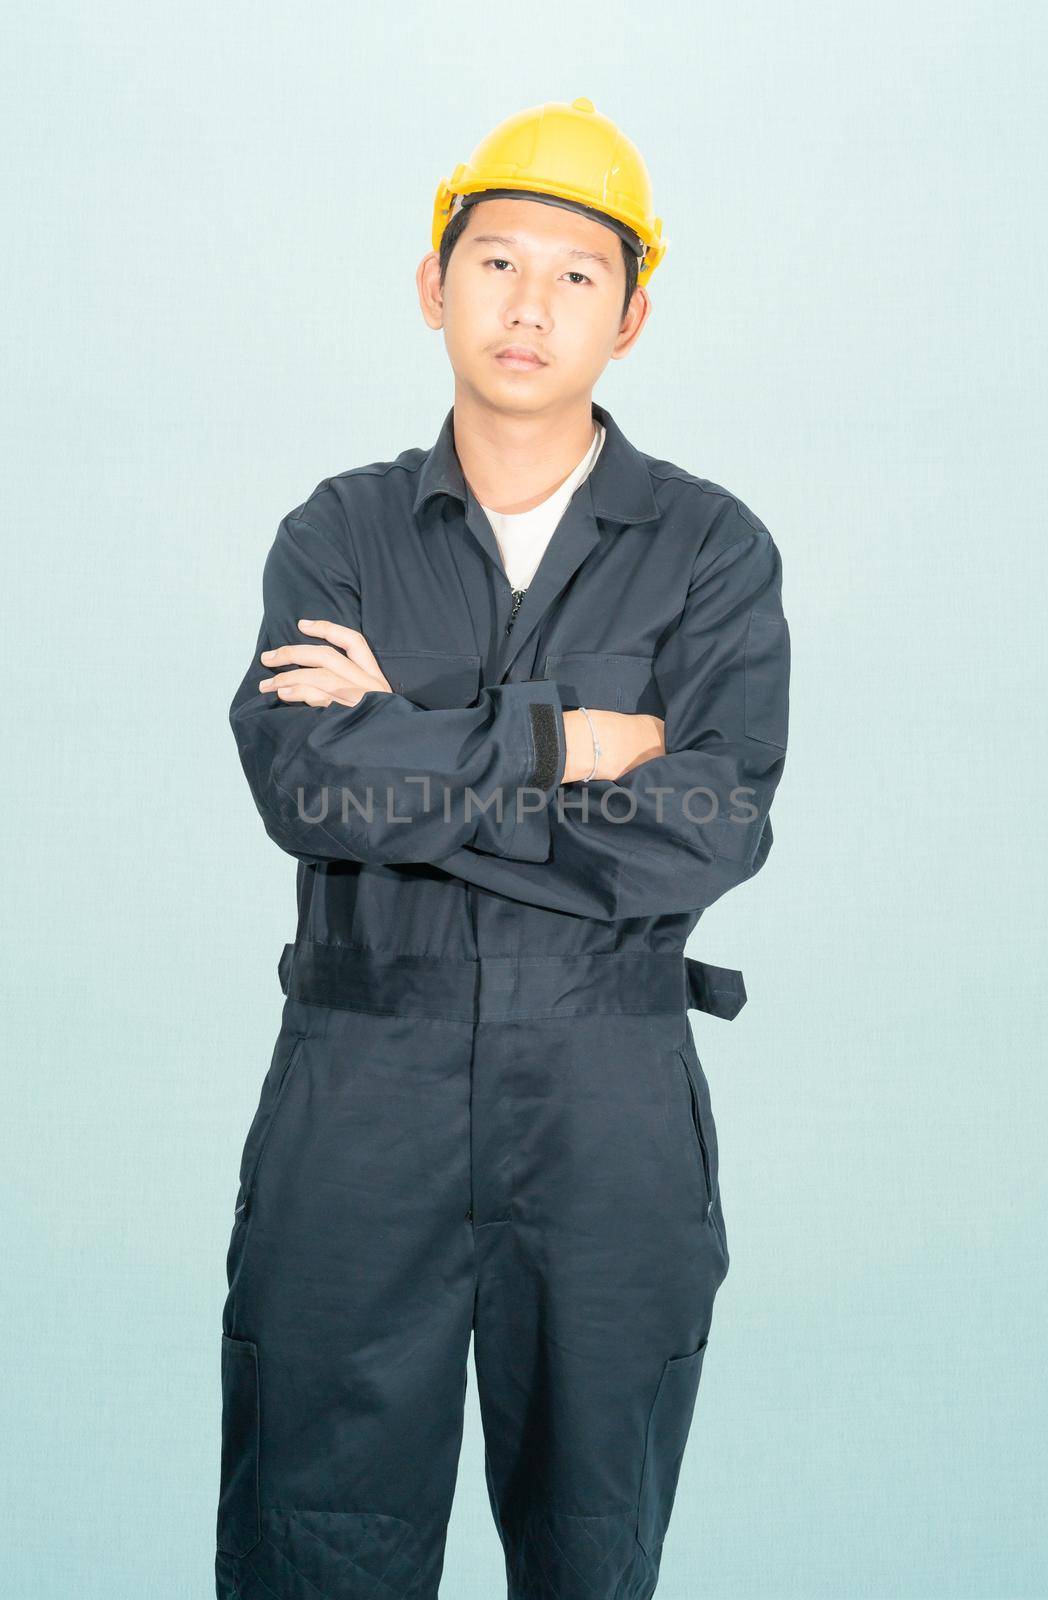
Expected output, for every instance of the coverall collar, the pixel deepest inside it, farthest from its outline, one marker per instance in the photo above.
(619, 484)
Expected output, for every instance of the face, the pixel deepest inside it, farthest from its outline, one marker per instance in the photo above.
(537, 276)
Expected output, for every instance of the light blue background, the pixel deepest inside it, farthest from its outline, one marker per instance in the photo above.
(213, 216)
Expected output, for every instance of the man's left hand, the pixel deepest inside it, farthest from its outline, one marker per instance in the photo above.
(342, 670)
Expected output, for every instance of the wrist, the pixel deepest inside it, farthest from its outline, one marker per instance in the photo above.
(579, 743)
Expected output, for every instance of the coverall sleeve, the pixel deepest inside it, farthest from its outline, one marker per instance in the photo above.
(723, 674)
(385, 780)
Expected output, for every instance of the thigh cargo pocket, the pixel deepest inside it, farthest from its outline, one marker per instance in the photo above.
(705, 1142)
(239, 1525)
(286, 1053)
(668, 1427)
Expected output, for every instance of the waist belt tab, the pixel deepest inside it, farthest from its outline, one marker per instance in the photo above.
(718, 990)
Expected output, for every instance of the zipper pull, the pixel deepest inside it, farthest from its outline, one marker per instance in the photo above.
(518, 596)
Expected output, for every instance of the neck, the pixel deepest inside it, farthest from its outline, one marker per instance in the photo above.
(514, 462)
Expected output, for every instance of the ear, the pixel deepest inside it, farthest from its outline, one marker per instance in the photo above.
(636, 316)
(430, 294)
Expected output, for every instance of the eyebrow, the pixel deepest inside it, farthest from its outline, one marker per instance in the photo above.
(508, 238)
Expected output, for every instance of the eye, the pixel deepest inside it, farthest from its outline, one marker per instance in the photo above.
(494, 261)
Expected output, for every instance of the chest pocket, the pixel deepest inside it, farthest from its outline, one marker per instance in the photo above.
(431, 678)
(605, 681)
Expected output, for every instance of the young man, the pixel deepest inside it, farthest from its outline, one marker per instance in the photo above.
(519, 709)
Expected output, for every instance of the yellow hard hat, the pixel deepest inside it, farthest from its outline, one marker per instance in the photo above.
(567, 155)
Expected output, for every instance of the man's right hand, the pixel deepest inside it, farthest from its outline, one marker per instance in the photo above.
(627, 739)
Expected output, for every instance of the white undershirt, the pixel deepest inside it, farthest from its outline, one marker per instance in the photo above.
(522, 536)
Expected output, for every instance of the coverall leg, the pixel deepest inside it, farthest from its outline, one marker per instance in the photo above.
(520, 1149)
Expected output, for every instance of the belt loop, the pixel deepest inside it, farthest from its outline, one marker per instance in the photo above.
(284, 966)
(718, 990)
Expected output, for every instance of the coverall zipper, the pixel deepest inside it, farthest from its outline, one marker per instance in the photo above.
(518, 596)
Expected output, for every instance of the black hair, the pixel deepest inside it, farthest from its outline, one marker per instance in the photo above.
(456, 226)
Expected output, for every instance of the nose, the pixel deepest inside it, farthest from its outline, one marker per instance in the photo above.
(529, 318)
(526, 307)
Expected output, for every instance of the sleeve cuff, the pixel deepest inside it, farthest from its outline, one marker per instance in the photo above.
(524, 832)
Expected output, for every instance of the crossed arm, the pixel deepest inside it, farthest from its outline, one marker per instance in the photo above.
(344, 669)
(329, 718)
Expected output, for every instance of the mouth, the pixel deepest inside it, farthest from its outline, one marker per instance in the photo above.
(519, 359)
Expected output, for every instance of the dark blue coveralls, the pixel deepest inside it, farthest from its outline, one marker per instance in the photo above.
(485, 1114)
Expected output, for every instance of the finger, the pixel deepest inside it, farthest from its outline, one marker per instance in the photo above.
(351, 640)
(317, 686)
(346, 680)
(315, 677)
(304, 655)
(305, 694)
(325, 655)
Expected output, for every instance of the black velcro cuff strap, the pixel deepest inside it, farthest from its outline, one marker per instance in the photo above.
(546, 745)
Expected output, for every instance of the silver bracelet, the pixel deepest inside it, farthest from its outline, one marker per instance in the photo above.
(596, 744)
